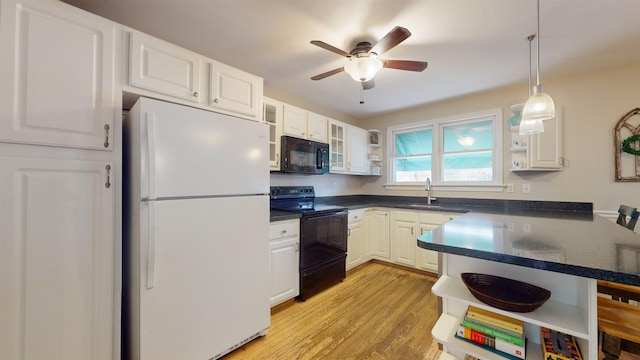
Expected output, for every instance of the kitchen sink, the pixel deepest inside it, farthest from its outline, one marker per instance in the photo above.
(424, 206)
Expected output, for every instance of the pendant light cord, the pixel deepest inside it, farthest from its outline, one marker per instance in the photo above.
(538, 47)
(530, 38)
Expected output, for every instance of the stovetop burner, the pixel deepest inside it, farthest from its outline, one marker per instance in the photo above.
(300, 199)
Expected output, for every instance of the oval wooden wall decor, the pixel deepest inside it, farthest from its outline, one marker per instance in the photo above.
(626, 142)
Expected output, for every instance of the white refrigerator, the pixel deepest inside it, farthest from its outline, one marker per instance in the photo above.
(196, 248)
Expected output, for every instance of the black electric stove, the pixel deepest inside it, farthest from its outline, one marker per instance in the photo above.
(323, 237)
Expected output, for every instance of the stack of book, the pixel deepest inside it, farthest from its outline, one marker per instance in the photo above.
(494, 332)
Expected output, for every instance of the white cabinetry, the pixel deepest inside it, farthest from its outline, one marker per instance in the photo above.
(284, 260)
(159, 66)
(272, 116)
(357, 153)
(58, 258)
(406, 226)
(538, 152)
(337, 146)
(355, 239)
(60, 182)
(304, 124)
(572, 308)
(377, 233)
(165, 71)
(374, 154)
(58, 68)
(234, 91)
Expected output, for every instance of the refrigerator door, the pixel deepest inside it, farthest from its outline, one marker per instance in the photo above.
(188, 152)
(210, 276)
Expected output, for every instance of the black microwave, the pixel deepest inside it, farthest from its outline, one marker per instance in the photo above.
(302, 156)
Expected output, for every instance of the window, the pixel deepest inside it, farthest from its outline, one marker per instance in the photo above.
(461, 151)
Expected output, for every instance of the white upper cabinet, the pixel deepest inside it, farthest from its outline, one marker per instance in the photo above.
(234, 91)
(337, 146)
(157, 65)
(357, 153)
(165, 71)
(58, 75)
(304, 124)
(538, 152)
(273, 118)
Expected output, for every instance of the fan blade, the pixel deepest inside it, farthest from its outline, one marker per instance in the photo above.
(331, 48)
(389, 41)
(405, 65)
(366, 85)
(328, 73)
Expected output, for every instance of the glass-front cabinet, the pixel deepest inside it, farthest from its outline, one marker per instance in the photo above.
(273, 117)
(337, 136)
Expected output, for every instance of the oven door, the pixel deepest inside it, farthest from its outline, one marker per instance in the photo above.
(323, 238)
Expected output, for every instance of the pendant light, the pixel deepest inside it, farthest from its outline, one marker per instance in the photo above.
(530, 127)
(540, 106)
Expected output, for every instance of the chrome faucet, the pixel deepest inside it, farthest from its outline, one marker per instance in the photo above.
(427, 187)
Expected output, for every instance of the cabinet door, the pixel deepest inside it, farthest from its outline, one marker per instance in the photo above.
(235, 92)
(285, 272)
(546, 147)
(357, 154)
(295, 121)
(354, 245)
(58, 76)
(57, 258)
(163, 67)
(273, 117)
(379, 234)
(337, 146)
(403, 238)
(427, 259)
(317, 127)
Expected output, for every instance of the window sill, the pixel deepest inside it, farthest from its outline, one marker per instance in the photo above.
(420, 187)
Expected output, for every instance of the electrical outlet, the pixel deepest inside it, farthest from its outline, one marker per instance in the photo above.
(526, 188)
(510, 188)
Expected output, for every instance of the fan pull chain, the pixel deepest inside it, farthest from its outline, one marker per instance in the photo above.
(361, 94)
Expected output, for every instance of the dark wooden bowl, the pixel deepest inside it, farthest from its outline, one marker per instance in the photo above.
(505, 294)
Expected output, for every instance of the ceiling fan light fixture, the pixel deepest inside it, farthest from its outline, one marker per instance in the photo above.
(363, 69)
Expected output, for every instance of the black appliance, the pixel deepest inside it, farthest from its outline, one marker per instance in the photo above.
(302, 156)
(323, 237)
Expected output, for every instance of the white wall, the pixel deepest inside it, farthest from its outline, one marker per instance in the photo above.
(591, 105)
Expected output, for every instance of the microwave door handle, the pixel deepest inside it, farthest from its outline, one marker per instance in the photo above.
(319, 159)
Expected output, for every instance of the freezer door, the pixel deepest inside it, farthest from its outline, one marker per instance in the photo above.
(210, 266)
(191, 152)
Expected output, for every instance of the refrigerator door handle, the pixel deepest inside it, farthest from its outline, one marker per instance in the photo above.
(151, 154)
(151, 245)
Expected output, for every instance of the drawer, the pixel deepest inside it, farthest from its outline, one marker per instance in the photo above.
(282, 229)
(356, 215)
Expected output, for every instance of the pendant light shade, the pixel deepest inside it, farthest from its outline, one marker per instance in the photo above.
(540, 106)
(530, 127)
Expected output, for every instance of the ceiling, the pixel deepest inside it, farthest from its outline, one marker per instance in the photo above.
(470, 45)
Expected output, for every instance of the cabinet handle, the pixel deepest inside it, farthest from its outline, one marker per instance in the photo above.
(348, 232)
(277, 159)
(349, 165)
(311, 135)
(215, 100)
(106, 130)
(108, 183)
(195, 94)
(284, 232)
(421, 231)
(412, 230)
(297, 247)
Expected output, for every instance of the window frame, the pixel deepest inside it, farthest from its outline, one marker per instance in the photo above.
(437, 126)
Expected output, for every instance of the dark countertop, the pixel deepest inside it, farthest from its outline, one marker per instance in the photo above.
(576, 243)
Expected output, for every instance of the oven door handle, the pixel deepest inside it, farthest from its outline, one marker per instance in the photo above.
(320, 216)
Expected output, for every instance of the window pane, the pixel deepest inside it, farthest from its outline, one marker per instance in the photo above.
(413, 143)
(472, 136)
(468, 166)
(412, 169)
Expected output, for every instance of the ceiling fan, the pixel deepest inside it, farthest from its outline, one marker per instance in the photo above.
(364, 63)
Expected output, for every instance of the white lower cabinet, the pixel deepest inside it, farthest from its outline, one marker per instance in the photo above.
(406, 226)
(59, 259)
(284, 260)
(377, 233)
(355, 239)
(572, 308)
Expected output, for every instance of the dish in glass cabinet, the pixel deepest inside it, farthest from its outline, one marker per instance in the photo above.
(505, 294)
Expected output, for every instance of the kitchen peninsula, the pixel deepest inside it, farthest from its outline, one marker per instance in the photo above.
(564, 252)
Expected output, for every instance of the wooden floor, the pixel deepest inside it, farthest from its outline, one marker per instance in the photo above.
(378, 312)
